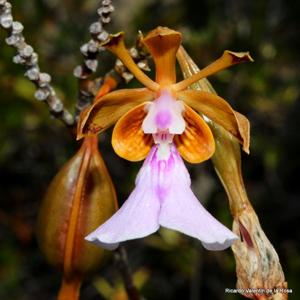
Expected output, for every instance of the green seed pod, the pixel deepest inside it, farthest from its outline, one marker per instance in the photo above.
(79, 198)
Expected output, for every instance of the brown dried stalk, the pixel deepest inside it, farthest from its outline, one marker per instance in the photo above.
(28, 58)
(88, 87)
(90, 52)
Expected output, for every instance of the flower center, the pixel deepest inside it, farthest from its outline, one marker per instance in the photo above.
(164, 140)
(163, 119)
(164, 115)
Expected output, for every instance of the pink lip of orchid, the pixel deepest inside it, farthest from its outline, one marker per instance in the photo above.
(156, 122)
(162, 197)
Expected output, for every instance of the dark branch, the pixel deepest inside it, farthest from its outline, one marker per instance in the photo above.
(88, 87)
(28, 58)
(90, 51)
(121, 261)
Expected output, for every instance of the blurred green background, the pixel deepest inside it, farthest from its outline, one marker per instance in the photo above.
(34, 146)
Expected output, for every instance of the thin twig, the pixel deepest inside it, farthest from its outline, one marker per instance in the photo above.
(27, 57)
(121, 261)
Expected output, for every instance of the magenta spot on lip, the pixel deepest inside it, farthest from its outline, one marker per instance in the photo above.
(163, 119)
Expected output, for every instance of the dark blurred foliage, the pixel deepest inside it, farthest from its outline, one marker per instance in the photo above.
(34, 146)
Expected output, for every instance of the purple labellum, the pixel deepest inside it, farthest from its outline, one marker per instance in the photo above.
(162, 197)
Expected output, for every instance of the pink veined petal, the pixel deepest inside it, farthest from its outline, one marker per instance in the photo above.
(164, 114)
(138, 216)
(181, 210)
(162, 196)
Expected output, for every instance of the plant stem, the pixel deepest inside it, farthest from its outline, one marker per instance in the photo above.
(28, 58)
(121, 261)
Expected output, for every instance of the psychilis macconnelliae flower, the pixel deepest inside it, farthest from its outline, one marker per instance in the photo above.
(160, 123)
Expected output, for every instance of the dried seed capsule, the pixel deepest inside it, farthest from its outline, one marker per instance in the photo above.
(103, 36)
(57, 106)
(33, 59)
(44, 79)
(79, 72)
(84, 49)
(33, 73)
(12, 40)
(105, 20)
(17, 27)
(6, 21)
(92, 46)
(91, 64)
(27, 51)
(95, 28)
(41, 94)
(17, 59)
(68, 118)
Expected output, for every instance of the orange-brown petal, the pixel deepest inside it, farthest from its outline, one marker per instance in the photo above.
(115, 44)
(108, 109)
(188, 68)
(128, 139)
(163, 44)
(219, 111)
(229, 58)
(196, 144)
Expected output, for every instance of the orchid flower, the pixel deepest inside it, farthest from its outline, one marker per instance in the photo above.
(160, 123)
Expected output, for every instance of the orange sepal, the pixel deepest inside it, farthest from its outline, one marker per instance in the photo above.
(229, 58)
(128, 139)
(196, 144)
(219, 111)
(108, 109)
(163, 44)
(115, 44)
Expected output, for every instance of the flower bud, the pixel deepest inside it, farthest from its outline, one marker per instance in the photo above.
(79, 198)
